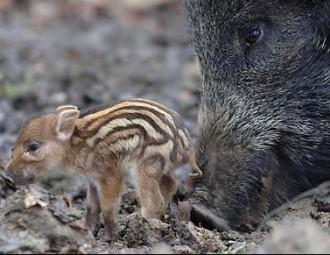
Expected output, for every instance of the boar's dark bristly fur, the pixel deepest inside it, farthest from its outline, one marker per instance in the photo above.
(264, 120)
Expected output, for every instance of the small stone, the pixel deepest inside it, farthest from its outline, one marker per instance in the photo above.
(183, 249)
(161, 248)
(36, 196)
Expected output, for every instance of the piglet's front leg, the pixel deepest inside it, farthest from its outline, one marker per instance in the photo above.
(149, 191)
(110, 192)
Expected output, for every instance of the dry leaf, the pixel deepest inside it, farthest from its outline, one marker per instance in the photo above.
(35, 196)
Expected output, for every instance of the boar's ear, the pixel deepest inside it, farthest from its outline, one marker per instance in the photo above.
(65, 123)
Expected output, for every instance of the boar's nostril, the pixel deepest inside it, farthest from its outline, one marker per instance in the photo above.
(201, 161)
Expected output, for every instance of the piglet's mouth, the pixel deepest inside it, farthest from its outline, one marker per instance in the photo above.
(22, 179)
(8, 181)
(7, 178)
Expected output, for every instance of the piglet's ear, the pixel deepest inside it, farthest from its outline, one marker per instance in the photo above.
(66, 107)
(65, 124)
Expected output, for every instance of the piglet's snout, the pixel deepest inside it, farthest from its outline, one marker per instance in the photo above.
(6, 176)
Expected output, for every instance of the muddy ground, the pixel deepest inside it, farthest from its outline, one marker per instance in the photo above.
(96, 52)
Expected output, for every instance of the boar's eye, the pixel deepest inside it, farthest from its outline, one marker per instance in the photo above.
(33, 147)
(253, 35)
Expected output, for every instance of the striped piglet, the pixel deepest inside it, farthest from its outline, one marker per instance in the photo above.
(134, 140)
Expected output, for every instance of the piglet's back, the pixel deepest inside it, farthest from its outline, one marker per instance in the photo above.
(136, 123)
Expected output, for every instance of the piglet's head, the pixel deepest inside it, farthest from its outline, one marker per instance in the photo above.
(42, 144)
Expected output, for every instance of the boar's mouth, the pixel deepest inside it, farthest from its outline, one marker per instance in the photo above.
(196, 212)
(200, 215)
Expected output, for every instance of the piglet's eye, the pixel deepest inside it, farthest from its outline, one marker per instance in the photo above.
(33, 147)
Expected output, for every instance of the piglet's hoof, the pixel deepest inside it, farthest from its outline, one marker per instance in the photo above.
(110, 231)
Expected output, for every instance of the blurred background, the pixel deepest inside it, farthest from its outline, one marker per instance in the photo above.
(91, 52)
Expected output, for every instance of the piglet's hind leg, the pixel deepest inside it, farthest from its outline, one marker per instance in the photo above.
(110, 192)
(93, 209)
